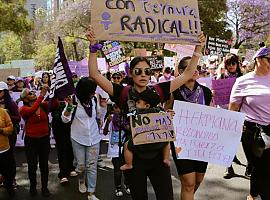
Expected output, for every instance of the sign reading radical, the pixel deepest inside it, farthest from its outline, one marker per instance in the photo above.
(170, 21)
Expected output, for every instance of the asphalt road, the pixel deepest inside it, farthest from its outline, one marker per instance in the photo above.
(214, 187)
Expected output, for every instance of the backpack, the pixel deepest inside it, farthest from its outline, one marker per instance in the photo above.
(75, 104)
(144, 151)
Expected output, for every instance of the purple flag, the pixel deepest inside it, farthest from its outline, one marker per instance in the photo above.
(62, 84)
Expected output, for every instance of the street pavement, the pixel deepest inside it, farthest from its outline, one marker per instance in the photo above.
(214, 186)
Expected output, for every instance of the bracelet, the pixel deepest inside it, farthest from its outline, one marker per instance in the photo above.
(69, 108)
(95, 47)
(197, 54)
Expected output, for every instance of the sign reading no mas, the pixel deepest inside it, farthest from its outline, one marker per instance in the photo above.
(152, 128)
(170, 21)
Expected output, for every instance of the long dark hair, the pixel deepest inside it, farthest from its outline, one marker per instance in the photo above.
(232, 58)
(136, 60)
(84, 88)
(132, 65)
(49, 78)
(183, 63)
(7, 100)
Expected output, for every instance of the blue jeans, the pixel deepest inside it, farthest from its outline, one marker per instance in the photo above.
(86, 157)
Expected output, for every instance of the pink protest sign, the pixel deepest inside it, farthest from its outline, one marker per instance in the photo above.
(222, 88)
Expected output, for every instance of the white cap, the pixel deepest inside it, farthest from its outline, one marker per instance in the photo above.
(3, 86)
(11, 77)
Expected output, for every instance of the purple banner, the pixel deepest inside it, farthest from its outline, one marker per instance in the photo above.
(222, 88)
(62, 84)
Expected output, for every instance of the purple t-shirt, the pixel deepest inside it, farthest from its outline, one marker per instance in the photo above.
(252, 93)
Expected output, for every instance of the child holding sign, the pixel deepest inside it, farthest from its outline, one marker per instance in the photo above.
(142, 105)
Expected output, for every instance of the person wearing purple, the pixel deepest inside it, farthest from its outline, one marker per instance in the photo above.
(232, 70)
(250, 95)
(148, 159)
(191, 172)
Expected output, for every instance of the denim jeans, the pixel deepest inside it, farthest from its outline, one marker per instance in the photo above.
(86, 157)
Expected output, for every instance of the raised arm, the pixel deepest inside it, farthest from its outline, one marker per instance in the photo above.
(190, 70)
(103, 82)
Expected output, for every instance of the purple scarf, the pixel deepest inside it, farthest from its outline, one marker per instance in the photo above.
(88, 107)
(195, 96)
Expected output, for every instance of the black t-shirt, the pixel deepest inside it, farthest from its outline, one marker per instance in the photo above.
(144, 151)
(177, 96)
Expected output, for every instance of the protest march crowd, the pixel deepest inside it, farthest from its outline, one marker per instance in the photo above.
(137, 110)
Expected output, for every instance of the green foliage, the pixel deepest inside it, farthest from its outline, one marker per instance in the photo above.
(212, 14)
(45, 55)
(10, 47)
(14, 17)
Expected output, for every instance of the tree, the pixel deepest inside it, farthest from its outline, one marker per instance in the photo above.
(249, 19)
(14, 17)
(212, 18)
(45, 55)
(10, 47)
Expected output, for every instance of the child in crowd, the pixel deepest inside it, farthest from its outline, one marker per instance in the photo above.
(141, 104)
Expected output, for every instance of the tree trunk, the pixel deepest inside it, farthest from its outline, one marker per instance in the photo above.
(75, 51)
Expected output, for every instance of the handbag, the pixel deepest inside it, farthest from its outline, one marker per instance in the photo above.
(261, 141)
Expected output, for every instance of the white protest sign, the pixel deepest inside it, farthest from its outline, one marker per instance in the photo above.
(234, 51)
(102, 65)
(206, 133)
(169, 62)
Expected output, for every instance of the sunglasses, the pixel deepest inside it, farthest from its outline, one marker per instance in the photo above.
(231, 63)
(139, 71)
(31, 93)
(116, 77)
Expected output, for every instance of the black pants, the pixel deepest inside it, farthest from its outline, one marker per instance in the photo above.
(157, 172)
(260, 176)
(61, 132)
(117, 163)
(37, 151)
(8, 168)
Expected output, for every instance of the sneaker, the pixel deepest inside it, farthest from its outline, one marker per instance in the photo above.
(127, 190)
(92, 197)
(101, 164)
(119, 193)
(82, 187)
(64, 181)
(73, 174)
(45, 192)
(229, 173)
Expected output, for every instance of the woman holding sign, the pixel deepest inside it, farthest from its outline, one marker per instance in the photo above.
(148, 163)
(191, 172)
(250, 95)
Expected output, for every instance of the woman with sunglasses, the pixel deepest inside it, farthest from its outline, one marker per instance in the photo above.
(140, 71)
(250, 95)
(232, 70)
(37, 141)
(232, 67)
